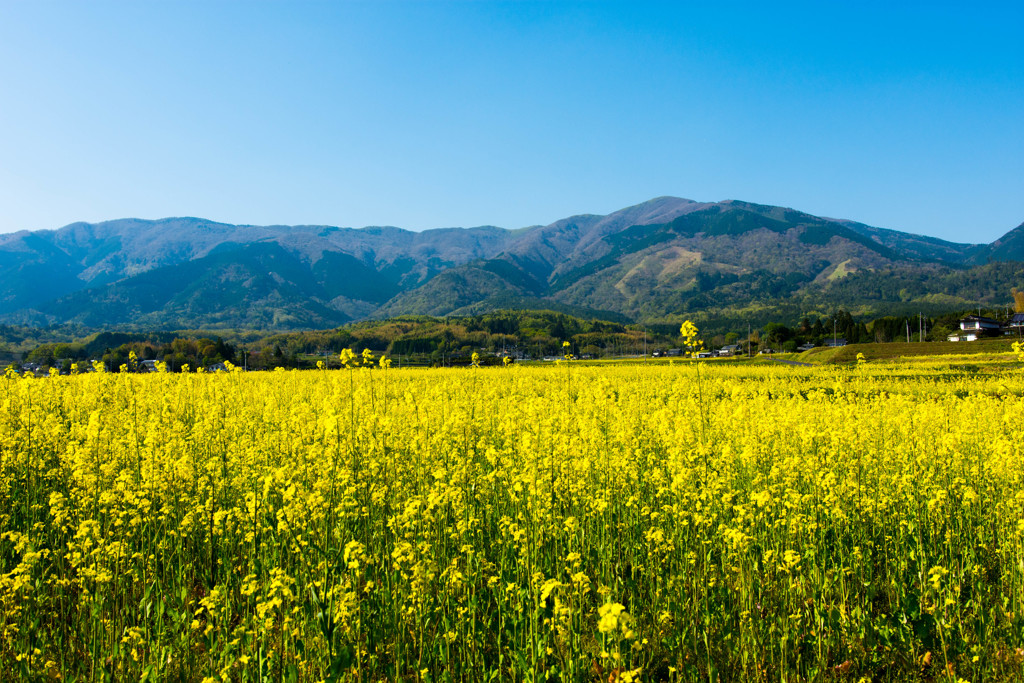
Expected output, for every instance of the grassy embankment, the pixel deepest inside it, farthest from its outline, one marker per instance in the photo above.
(987, 349)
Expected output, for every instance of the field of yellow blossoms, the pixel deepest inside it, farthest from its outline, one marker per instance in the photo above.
(578, 523)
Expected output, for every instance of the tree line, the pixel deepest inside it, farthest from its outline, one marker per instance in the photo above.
(424, 340)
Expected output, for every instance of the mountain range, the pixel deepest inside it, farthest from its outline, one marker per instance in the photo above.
(656, 261)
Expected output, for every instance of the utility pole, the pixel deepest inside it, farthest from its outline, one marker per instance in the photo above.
(920, 329)
(835, 340)
(907, 321)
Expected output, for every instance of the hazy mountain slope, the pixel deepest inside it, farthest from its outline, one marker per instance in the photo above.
(640, 269)
(659, 259)
(449, 291)
(108, 251)
(532, 262)
(33, 271)
(1009, 247)
(256, 285)
(920, 247)
(43, 265)
(467, 285)
(718, 256)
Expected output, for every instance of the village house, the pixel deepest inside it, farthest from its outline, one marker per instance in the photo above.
(974, 327)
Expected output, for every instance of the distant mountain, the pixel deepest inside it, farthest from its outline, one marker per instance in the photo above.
(916, 246)
(658, 260)
(1009, 247)
(669, 257)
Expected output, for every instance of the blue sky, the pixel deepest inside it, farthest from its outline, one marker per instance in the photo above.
(423, 114)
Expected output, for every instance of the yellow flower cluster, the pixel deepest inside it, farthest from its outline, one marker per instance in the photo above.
(627, 523)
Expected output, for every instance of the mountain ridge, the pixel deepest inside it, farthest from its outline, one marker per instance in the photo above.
(666, 256)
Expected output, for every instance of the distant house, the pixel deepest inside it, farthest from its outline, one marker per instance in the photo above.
(729, 350)
(36, 369)
(148, 366)
(807, 346)
(838, 341)
(1016, 324)
(974, 327)
(977, 322)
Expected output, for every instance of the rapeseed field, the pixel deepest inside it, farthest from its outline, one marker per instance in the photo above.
(663, 523)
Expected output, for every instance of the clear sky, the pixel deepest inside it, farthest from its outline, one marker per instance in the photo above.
(421, 114)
